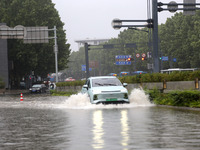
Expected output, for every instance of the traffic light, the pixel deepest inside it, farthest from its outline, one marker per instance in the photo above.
(128, 59)
(144, 58)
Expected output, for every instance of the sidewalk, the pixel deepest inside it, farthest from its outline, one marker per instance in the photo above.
(14, 92)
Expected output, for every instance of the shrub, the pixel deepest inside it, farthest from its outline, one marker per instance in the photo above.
(2, 84)
(72, 83)
(176, 98)
(61, 93)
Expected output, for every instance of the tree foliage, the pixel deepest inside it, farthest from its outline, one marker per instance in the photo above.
(37, 57)
(106, 57)
(179, 38)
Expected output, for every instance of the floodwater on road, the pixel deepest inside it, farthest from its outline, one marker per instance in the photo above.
(71, 123)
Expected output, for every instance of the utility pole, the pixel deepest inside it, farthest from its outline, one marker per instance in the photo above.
(56, 53)
(87, 61)
(155, 35)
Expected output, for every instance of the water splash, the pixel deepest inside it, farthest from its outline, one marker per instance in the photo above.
(139, 98)
(81, 101)
(76, 101)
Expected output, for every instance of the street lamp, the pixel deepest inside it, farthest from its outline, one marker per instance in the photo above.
(56, 53)
(116, 23)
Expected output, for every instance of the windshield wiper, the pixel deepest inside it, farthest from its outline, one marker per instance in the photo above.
(99, 84)
(110, 84)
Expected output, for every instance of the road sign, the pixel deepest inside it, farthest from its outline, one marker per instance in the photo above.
(137, 55)
(165, 58)
(93, 64)
(173, 6)
(83, 68)
(120, 59)
(108, 46)
(149, 55)
(123, 62)
(36, 35)
(174, 59)
(17, 32)
(143, 55)
(149, 66)
(189, 12)
(122, 56)
(130, 45)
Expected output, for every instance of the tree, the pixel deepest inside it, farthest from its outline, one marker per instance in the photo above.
(37, 57)
(180, 39)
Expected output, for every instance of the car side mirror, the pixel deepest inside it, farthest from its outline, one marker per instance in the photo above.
(125, 84)
(85, 86)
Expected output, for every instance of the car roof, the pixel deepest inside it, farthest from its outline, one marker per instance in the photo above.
(100, 77)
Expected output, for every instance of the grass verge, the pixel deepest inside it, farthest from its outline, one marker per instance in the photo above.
(61, 93)
(176, 98)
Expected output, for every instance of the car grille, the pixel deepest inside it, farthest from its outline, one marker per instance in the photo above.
(110, 91)
(115, 95)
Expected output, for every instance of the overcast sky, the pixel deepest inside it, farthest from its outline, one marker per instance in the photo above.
(92, 18)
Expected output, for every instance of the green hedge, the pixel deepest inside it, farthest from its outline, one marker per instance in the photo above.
(149, 77)
(2, 84)
(72, 83)
(176, 98)
(61, 93)
(159, 77)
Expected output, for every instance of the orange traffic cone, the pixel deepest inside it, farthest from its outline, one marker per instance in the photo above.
(21, 99)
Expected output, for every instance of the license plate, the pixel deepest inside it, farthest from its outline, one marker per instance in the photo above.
(111, 99)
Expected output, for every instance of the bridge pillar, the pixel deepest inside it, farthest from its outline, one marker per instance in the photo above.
(4, 60)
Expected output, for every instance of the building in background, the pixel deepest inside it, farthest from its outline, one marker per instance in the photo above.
(4, 60)
(90, 42)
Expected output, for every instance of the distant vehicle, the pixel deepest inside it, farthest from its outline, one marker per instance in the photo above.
(122, 74)
(177, 70)
(46, 81)
(61, 77)
(112, 74)
(138, 72)
(69, 79)
(105, 90)
(22, 85)
(38, 88)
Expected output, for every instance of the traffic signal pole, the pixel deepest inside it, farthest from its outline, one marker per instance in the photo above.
(155, 35)
(87, 61)
(56, 53)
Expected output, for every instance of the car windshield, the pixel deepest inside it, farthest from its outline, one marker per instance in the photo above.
(36, 86)
(106, 82)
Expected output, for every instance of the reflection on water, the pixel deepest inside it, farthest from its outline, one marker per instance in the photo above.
(125, 128)
(63, 123)
(98, 131)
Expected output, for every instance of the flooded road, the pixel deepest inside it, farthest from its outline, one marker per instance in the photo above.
(71, 123)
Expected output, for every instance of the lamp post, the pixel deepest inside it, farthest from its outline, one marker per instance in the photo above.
(56, 53)
(155, 35)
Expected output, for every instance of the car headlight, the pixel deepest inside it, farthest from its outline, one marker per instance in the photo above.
(124, 90)
(38, 88)
(96, 91)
